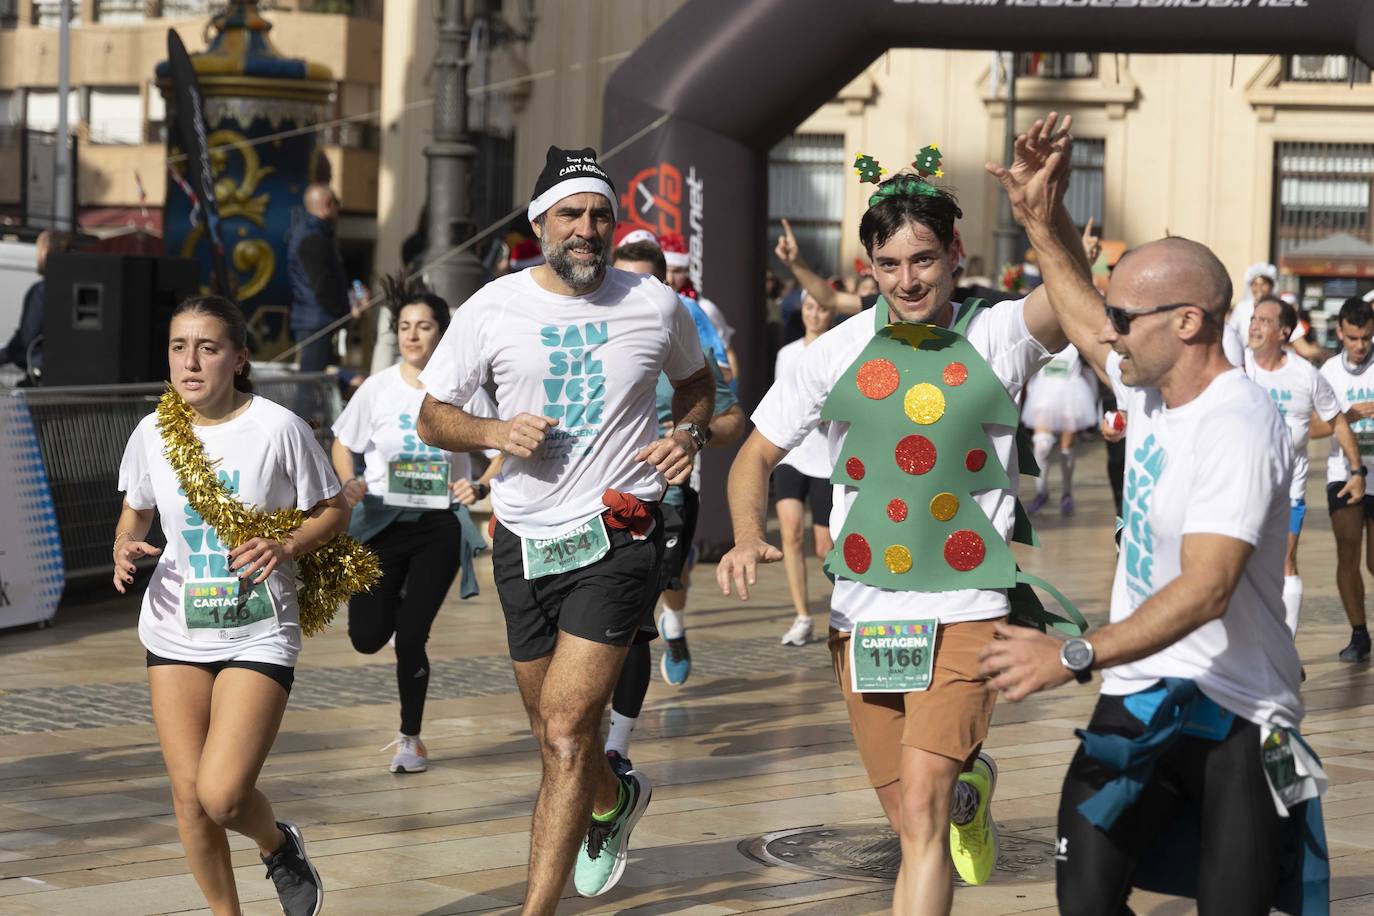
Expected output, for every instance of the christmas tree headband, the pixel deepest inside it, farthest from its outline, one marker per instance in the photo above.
(926, 164)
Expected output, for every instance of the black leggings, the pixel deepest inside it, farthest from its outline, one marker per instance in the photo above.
(633, 686)
(419, 563)
(1221, 784)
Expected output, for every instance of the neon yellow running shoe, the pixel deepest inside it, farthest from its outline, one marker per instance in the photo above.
(973, 846)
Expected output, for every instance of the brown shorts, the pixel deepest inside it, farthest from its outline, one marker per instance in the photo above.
(951, 718)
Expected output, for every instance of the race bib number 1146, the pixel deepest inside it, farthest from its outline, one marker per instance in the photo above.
(226, 610)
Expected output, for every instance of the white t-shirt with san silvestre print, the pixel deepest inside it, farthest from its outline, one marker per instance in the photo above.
(1220, 464)
(379, 424)
(1352, 384)
(591, 362)
(1298, 390)
(269, 458)
(792, 409)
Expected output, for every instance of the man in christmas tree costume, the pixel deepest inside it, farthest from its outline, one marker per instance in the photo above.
(922, 564)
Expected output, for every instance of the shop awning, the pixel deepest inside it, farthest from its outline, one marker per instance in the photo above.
(1338, 255)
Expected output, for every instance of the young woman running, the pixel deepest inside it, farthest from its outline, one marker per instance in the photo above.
(802, 477)
(410, 506)
(222, 627)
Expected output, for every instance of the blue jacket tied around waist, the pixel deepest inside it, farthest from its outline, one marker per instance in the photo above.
(1169, 865)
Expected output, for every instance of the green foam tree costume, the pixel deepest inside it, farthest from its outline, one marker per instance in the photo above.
(917, 401)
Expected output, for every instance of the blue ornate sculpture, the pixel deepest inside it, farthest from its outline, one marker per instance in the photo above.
(250, 93)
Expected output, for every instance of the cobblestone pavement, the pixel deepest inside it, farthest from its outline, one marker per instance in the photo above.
(756, 746)
(48, 709)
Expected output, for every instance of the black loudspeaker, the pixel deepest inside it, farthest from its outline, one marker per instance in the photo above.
(105, 316)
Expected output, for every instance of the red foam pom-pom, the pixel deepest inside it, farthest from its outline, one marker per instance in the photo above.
(956, 374)
(896, 510)
(857, 554)
(877, 379)
(975, 460)
(964, 550)
(854, 468)
(915, 454)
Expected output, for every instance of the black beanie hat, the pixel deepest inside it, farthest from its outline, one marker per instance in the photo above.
(567, 172)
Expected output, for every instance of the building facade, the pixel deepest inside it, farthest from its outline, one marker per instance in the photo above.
(1265, 158)
(117, 114)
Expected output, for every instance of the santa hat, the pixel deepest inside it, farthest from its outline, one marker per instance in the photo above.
(569, 172)
(630, 234)
(674, 249)
(526, 253)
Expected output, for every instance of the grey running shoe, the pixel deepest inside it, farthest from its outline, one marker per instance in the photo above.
(411, 755)
(298, 884)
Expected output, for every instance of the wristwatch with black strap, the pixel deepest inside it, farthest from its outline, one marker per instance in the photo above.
(1077, 655)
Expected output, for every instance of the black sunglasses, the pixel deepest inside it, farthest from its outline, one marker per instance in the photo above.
(1121, 319)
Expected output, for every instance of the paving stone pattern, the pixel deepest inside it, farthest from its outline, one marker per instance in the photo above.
(48, 709)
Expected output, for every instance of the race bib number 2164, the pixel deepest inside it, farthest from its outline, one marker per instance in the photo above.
(575, 548)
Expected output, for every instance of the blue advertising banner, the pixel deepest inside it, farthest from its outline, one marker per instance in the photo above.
(31, 569)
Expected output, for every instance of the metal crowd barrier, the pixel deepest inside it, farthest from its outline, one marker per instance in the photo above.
(82, 432)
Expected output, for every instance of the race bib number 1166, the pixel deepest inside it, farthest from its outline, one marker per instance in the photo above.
(891, 656)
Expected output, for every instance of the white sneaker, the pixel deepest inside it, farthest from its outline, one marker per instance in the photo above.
(411, 756)
(799, 634)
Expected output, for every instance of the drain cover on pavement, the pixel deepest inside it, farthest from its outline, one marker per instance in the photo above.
(873, 852)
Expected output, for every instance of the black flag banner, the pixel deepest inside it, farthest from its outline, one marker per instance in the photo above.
(191, 129)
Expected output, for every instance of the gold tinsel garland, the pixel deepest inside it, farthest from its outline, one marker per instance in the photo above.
(329, 574)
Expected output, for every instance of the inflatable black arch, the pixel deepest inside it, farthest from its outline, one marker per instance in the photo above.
(734, 77)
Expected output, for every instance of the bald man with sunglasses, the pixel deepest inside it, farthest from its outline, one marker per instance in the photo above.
(1197, 637)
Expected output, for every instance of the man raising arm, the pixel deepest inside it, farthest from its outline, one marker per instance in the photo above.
(1197, 620)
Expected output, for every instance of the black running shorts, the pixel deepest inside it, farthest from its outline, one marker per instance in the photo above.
(679, 528)
(1334, 502)
(606, 602)
(282, 674)
(1220, 785)
(790, 483)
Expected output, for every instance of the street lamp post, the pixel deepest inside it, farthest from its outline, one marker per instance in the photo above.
(1007, 233)
(450, 163)
(63, 205)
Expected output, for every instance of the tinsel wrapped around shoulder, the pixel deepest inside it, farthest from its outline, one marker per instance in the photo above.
(328, 574)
